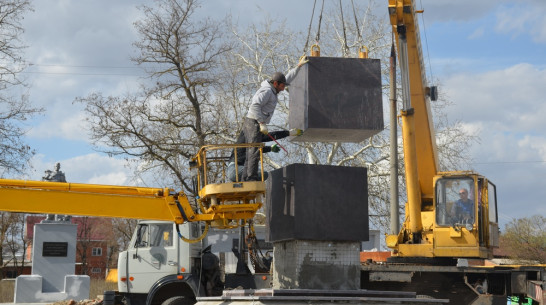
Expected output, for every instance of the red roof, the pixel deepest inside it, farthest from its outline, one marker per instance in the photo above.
(97, 228)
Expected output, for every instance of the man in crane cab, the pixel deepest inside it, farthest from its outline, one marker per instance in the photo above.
(259, 115)
(463, 209)
(241, 152)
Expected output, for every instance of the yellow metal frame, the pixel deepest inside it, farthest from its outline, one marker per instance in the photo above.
(234, 201)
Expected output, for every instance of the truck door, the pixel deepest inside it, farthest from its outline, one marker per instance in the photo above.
(152, 256)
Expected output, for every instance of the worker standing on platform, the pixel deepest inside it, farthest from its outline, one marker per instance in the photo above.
(259, 115)
(232, 174)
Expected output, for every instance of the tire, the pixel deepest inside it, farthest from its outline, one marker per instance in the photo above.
(179, 300)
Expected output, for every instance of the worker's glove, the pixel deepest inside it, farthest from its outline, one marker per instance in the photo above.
(275, 148)
(294, 132)
(303, 61)
(263, 128)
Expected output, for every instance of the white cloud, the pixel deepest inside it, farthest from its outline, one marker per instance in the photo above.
(461, 10)
(506, 99)
(66, 122)
(523, 19)
(92, 168)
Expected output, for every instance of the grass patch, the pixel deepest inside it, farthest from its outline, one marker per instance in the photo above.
(7, 287)
(99, 286)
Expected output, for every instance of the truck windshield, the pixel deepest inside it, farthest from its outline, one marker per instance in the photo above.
(455, 201)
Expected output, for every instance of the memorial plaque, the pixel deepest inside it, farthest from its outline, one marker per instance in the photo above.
(55, 249)
(337, 100)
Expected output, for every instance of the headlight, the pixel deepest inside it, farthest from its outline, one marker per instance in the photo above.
(469, 227)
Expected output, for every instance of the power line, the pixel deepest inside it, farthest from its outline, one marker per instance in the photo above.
(81, 74)
(509, 162)
(84, 66)
(137, 68)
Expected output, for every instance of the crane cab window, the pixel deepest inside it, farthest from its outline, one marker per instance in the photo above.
(455, 201)
(492, 202)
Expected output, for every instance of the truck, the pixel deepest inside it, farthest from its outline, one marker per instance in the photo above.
(450, 226)
(171, 258)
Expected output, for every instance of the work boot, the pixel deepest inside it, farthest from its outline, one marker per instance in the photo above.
(253, 178)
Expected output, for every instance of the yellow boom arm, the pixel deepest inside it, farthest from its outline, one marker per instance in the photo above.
(111, 201)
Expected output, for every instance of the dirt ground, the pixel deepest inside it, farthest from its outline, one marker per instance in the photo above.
(84, 302)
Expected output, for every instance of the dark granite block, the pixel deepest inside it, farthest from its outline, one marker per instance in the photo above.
(317, 202)
(337, 100)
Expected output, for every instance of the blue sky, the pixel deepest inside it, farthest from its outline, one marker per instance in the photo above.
(488, 57)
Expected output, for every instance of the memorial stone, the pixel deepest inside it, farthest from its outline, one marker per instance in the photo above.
(53, 260)
(337, 100)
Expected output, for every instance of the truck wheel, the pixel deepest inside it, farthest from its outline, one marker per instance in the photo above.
(178, 300)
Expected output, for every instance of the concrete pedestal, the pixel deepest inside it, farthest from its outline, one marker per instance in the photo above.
(304, 264)
(53, 267)
(28, 289)
(317, 202)
(317, 217)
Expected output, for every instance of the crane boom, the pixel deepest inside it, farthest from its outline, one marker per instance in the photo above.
(110, 201)
(87, 200)
(402, 16)
(420, 153)
(220, 202)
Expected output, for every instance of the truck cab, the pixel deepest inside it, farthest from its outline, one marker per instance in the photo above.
(158, 265)
(160, 268)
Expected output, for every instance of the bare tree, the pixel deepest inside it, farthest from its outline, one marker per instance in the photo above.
(123, 229)
(84, 241)
(14, 108)
(524, 239)
(164, 124)
(9, 224)
(93, 232)
(17, 242)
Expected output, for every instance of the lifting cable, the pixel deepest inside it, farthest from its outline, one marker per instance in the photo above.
(346, 48)
(426, 43)
(315, 46)
(309, 30)
(317, 38)
(356, 22)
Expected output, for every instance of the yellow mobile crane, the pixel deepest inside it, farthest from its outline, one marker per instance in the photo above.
(450, 224)
(438, 222)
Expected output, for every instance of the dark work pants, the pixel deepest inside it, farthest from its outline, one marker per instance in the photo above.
(251, 129)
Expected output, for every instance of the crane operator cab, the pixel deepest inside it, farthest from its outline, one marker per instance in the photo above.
(465, 215)
(456, 202)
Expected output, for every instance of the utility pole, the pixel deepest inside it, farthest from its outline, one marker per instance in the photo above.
(395, 219)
